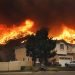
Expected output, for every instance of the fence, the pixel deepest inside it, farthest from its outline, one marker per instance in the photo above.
(11, 66)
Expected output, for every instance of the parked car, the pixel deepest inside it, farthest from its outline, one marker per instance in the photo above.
(71, 64)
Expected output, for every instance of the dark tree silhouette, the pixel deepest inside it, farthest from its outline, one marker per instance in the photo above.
(40, 46)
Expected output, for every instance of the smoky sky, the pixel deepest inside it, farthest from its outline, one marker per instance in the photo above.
(45, 12)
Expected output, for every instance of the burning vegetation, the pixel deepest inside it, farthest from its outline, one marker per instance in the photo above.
(16, 32)
(67, 34)
(48, 13)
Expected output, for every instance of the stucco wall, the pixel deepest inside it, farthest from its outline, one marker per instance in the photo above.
(73, 49)
(10, 66)
(14, 65)
(20, 54)
(61, 51)
(3, 66)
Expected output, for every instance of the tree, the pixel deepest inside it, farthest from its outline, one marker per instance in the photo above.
(40, 46)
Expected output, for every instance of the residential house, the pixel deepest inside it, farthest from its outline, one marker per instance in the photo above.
(20, 55)
(65, 52)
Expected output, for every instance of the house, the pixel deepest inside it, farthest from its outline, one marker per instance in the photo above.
(20, 55)
(6, 54)
(65, 52)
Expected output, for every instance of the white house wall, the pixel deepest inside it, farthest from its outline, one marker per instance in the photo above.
(69, 50)
(73, 49)
(61, 51)
(63, 62)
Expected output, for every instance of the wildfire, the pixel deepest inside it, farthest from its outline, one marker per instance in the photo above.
(14, 31)
(67, 34)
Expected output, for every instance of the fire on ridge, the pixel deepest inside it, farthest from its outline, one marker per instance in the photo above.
(67, 34)
(15, 32)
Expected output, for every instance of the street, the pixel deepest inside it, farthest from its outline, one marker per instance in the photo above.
(40, 73)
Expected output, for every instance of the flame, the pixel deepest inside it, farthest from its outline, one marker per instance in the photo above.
(67, 34)
(15, 32)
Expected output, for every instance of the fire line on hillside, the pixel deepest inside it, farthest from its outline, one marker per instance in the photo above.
(24, 29)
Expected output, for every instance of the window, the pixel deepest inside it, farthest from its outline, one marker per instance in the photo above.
(61, 46)
(65, 58)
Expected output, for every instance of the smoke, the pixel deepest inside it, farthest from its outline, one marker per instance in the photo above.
(47, 13)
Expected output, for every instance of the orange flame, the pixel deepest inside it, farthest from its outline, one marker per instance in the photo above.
(68, 35)
(15, 32)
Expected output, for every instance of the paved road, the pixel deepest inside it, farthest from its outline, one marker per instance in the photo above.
(40, 73)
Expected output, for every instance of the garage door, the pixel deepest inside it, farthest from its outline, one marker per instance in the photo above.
(63, 61)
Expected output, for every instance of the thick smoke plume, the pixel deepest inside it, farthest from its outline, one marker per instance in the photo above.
(46, 13)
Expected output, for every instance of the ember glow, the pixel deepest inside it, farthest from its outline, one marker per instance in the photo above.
(67, 34)
(14, 32)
